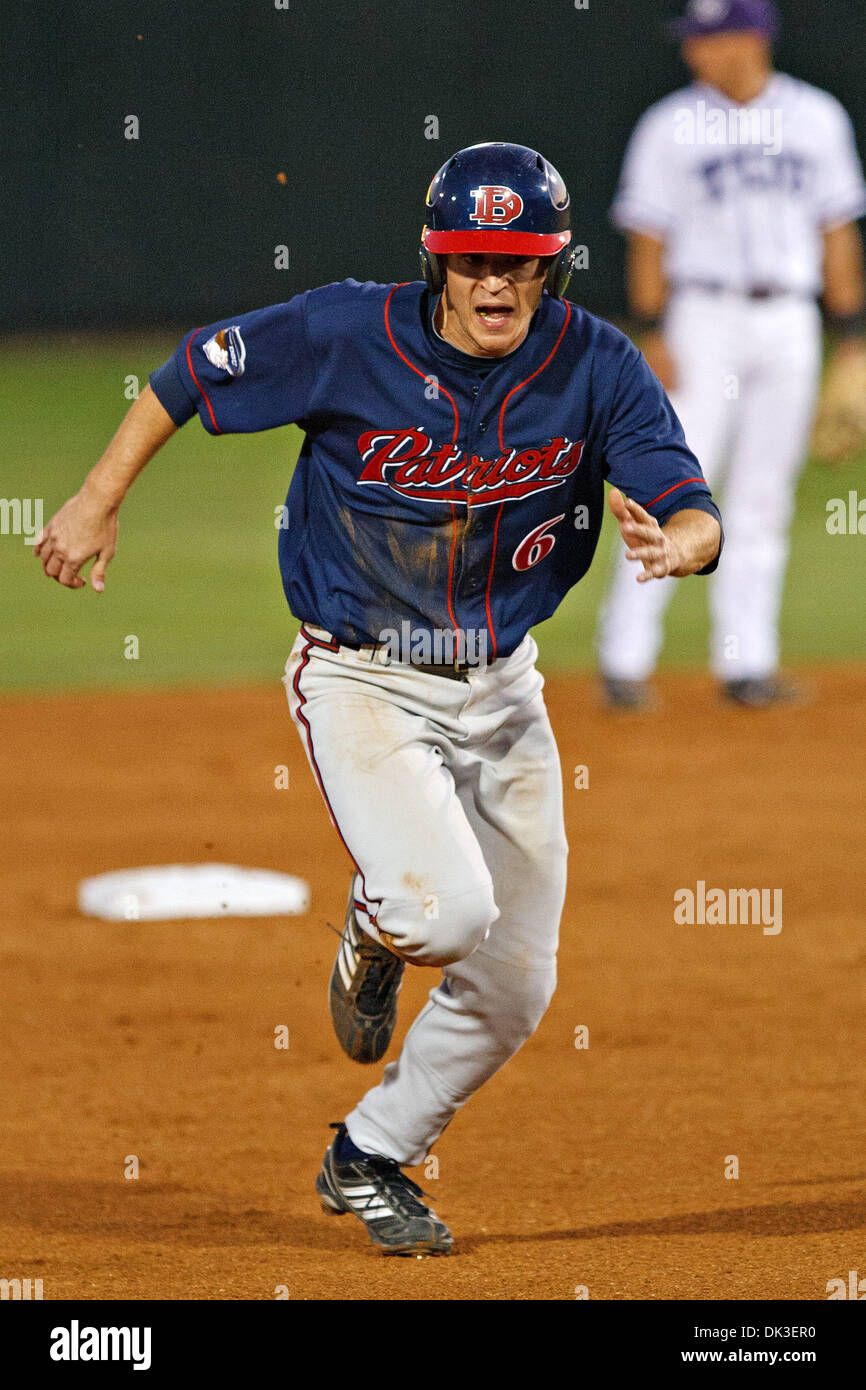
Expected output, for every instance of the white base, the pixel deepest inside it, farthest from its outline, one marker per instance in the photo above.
(168, 892)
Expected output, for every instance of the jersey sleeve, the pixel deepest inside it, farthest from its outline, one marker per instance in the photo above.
(840, 192)
(645, 450)
(243, 374)
(645, 199)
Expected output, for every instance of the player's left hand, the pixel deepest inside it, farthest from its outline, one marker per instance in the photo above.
(645, 540)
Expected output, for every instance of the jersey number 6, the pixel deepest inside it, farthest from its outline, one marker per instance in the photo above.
(536, 545)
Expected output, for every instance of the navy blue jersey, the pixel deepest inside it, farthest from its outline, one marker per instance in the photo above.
(435, 488)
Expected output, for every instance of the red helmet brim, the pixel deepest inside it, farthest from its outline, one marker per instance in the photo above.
(498, 241)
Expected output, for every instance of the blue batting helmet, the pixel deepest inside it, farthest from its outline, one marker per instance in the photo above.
(501, 198)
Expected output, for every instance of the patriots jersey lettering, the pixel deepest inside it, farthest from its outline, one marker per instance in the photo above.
(409, 462)
(472, 506)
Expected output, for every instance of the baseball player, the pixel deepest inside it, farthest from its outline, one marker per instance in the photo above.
(738, 197)
(449, 491)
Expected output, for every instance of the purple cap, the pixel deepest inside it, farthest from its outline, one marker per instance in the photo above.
(717, 16)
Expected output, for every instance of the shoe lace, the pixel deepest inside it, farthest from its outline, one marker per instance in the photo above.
(401, 1192)
(380, 967)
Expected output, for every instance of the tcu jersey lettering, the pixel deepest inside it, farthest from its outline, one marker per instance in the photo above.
(425, 472)
(724, 176)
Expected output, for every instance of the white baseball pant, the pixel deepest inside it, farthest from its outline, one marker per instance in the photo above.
(448, 797)
(747, 379)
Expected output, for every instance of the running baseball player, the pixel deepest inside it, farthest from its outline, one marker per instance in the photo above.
(449, 491)
(739, 196)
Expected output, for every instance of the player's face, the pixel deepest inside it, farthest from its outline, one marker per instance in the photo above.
(489, 301)
(720, 59)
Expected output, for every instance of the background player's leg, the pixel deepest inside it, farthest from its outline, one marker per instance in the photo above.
(702, 333)
(488, 1004)
(778, 400)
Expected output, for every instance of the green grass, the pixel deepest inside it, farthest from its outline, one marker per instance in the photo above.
(824, 610)
(196, 579)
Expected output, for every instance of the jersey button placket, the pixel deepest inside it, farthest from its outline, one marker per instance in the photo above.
(473, 570)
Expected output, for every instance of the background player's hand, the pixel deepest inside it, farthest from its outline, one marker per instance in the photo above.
(645, 540)
(658, 357)
(84, 529)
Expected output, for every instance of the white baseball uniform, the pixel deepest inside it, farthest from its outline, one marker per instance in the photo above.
(740, 196)
(449, 793)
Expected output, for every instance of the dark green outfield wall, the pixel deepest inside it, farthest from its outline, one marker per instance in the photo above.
(180, 225)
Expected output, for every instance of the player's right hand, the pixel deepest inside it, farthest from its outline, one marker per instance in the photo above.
(659, 359)
(84, 529)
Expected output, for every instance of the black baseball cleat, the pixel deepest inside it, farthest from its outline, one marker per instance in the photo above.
(362, 995)
(761, 692)
(374, 1189)
(626, 695)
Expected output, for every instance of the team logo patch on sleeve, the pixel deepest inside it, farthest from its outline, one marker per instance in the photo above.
(227, 350)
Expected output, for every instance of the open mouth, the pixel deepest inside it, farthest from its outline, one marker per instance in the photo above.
(494, 315)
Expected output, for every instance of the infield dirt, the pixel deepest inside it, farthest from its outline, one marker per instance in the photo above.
(601, 1168)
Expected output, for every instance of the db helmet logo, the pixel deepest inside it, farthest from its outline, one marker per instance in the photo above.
(495, 204)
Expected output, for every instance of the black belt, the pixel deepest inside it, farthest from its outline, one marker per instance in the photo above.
(752, 292)
(450, 671)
